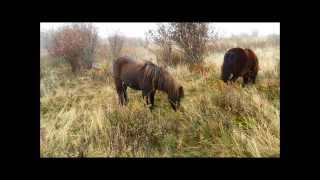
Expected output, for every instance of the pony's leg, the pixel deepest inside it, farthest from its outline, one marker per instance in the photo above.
(121, 97)
(173, 106)
(254, 77)
(151, 96)
(145, 95)
(125, 94)
(120, 93)
(225, 76)
(246, 79)
(234, 78)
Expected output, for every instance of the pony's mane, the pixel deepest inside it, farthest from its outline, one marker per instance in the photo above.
(160, 78)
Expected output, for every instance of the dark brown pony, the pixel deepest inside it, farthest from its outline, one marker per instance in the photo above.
(148, 78)
(240, 62)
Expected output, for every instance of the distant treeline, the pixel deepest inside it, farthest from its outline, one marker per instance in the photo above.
(221, 44)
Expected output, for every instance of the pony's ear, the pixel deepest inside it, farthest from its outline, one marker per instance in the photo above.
(181, 92)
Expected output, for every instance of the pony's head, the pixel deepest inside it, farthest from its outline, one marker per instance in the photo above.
(175, 97)
(174, 90)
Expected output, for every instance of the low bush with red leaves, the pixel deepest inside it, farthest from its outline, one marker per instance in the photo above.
(76, 44)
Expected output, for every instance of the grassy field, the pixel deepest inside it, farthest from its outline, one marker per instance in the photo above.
(81, 117)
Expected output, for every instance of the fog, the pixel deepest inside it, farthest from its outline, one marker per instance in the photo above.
(139, 29)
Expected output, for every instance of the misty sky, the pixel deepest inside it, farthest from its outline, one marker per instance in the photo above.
(139, 29)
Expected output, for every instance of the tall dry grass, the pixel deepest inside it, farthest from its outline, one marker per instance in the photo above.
(81, 116)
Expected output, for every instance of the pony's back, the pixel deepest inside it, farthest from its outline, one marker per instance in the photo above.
(234, 62)
(119, 63)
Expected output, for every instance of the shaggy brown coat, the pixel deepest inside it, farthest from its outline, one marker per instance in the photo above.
(240, 62)
(148, 78)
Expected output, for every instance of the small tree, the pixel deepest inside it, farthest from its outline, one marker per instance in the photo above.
(116, 42)
(161, 37)
(75, 43)
(192, 38)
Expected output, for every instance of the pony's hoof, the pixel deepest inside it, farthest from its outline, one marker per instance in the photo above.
(151, 108)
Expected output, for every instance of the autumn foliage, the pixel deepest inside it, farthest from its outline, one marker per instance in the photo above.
(76, 44)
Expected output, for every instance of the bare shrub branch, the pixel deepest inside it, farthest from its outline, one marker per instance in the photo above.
(161, 37)
(193, 39)
(76, 43)
(116, 42)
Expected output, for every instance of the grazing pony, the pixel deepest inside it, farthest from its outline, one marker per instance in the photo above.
(240, 62)
(148, 78)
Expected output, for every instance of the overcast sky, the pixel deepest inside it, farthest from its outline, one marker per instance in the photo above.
(139, 29)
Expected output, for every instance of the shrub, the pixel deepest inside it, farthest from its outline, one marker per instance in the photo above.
(161, 37)
(75, 43)
(192, 38)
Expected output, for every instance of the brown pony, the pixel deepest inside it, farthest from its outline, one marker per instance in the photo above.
(148, 78)
(240, 62)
